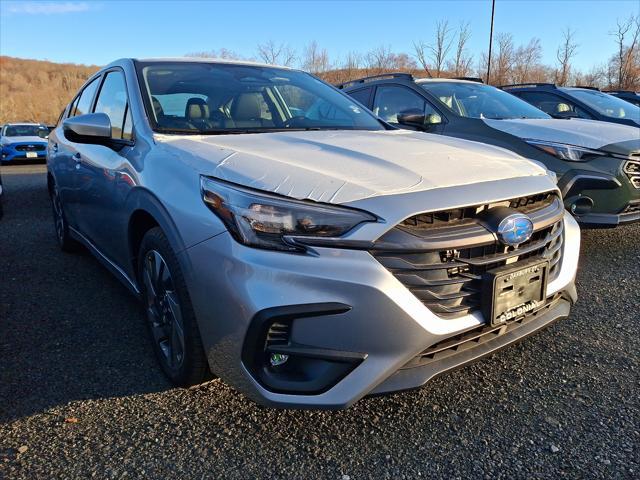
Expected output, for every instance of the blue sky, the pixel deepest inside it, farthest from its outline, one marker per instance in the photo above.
(96, 32)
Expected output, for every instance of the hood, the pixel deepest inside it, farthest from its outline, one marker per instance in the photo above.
(34, 140)
(610, 137)
(345, 166)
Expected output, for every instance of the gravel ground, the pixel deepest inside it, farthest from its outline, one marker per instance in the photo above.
(81, 395)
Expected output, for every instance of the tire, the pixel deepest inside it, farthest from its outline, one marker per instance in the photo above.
(63, 236)
(169, 314)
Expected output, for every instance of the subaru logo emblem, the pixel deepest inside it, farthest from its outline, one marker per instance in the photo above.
(515, 229)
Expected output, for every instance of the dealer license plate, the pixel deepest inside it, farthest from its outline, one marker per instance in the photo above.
(512, 291)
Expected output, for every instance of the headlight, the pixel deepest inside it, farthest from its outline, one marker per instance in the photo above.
(262, 220)
(564, 151)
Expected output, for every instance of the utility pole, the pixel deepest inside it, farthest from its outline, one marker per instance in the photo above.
(493, 9)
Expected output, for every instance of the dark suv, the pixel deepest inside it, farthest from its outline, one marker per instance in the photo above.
(597, 163)
(626, 95)
(577, 102)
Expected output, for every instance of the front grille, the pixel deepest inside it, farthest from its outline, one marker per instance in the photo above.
(444, 266)
(632, 169)
(474, 337)
(31, 148)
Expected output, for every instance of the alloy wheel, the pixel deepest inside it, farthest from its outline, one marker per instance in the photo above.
(58, 216)
(163, 310)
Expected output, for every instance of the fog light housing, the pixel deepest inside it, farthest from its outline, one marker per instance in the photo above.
(281, 365)
(277, 359)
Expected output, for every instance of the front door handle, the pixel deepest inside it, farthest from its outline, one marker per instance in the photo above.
(54, 147)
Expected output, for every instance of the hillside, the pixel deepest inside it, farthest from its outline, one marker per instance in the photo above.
(35, 90)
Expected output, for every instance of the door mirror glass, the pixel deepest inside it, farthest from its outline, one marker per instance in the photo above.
(88, 128)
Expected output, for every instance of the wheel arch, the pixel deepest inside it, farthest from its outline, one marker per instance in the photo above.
(146, 212)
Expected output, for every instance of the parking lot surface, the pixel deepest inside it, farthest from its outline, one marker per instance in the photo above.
(81, 394)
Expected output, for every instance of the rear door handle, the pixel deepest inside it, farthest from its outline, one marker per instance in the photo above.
(54, 147)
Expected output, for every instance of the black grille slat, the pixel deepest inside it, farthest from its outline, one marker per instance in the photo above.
(30, 148)
(448, 282)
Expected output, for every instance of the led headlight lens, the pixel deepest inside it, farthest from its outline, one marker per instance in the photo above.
(262, 220)
(563, 151)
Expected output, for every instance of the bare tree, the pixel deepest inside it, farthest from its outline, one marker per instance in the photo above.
(566, 51)
(627, 56)
(315, 59)
(274, 54)
(420, 49)
(440, 49)
(526, 61)
(379, 59)
(461, 65)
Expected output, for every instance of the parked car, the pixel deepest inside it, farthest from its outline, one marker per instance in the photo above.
(598, 164)
(284, 238)
(577, 102)
(23, 141)
(626, 95)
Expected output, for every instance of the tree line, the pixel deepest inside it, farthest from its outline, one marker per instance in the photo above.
(447, 55)
(33, 90)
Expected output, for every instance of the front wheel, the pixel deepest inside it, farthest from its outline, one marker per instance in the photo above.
(170, 316)
(65, 241)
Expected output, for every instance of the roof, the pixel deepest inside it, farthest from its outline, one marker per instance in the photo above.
(452, 80)
(208, 60)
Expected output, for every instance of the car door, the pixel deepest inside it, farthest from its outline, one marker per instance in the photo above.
(100, 167)
(64, 155)
(391, 100)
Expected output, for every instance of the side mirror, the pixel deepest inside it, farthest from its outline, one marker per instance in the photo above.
(565, 114)
(417, 119)
(88, 128)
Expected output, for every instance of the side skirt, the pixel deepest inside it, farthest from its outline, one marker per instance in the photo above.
(104, 260)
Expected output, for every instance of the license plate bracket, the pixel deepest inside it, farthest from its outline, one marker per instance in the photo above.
(512, 291)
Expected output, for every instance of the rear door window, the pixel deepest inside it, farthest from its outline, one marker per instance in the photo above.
(363, 96)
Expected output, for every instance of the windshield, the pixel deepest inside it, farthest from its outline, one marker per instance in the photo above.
(226, 98)
(606, 105)
(476, 100)
(22, 130)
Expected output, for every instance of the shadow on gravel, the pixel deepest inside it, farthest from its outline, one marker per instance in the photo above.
(68, 329)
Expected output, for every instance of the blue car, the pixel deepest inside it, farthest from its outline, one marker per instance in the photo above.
(23, 141)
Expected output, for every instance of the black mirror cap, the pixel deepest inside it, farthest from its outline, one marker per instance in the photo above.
(417, 119)
(412, 118)
(88, 128)
(564, 115)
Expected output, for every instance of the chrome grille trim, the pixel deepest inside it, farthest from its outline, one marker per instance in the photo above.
(443, 267)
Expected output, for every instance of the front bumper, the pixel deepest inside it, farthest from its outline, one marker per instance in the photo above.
(602, 195)
(11, 153)
(347, 302)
